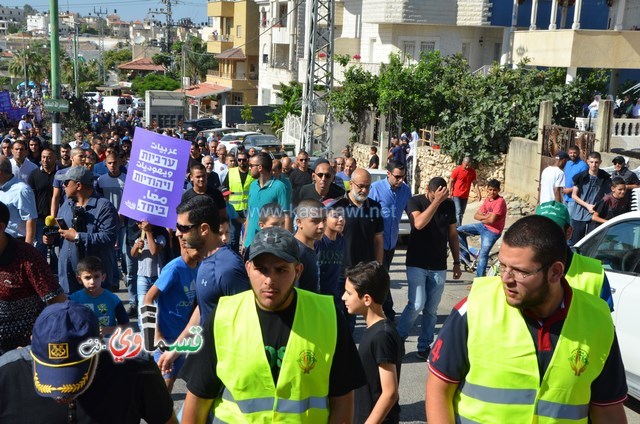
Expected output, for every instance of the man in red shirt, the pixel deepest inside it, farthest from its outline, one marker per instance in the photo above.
(462, 178)
(492, 216)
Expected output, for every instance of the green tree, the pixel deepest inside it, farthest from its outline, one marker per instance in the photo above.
(246, 113)
(359, 90)
(154, 82)
(113, 58)
(291, 96)
(197, 60)
(36, 64)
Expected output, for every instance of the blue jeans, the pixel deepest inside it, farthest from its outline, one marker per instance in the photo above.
(143, 286)
(425, 292)
(487, 239)
(461, 206)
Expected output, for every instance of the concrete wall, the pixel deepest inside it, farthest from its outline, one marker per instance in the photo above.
(522, 171)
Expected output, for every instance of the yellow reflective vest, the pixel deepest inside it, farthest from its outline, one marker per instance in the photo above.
(585, 274)
(503, 384)
(250, 395)
(239, 192)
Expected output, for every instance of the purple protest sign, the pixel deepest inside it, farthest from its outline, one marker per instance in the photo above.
(5, 101)
(155, 178)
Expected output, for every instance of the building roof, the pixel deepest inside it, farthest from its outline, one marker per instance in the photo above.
(235, 53)
(143, 64)
(204, 89)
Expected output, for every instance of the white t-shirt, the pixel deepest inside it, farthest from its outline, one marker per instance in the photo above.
(551, 178)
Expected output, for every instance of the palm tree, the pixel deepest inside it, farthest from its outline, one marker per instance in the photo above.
(37, 66)
(197, 60)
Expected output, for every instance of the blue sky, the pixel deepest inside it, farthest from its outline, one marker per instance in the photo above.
(128, 10)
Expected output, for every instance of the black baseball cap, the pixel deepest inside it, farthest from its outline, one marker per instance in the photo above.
(276, 241)
(619, 159)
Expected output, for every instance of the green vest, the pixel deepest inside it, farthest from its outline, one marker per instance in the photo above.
(301, 393)
(503, 384)
(239, 192)
(585, 274)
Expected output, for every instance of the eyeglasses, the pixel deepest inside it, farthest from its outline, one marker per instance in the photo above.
(517, 274)
(323, 175)
(361, 186)
(303, 159)
(251, 165)
(398, 177)
(242, 159)
(185, 228)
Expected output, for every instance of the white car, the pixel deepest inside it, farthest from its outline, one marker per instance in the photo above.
(617, 244)
(405, 226)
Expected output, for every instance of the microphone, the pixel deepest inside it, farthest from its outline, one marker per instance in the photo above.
(50, 226)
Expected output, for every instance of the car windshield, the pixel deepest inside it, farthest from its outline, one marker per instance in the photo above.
(263, 140)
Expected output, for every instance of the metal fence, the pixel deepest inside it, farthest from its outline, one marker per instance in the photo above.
(556, 138)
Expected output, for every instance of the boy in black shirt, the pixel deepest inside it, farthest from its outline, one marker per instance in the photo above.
(381, 349)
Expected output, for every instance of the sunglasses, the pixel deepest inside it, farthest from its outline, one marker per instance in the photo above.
(322, 175)
(185, 228)
(303, 160)
(242, 160)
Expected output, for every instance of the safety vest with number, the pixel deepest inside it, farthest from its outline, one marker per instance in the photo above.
(503, 384)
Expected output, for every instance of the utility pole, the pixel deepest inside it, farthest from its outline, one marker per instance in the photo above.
(75, 62)
(318, 84)
(168, 22)
(24, 66)
(102, 75)
(55, 70)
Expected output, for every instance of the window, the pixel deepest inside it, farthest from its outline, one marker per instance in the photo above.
(282, 15)
(618, 247)
(239, 31)
(427, 46)
(497, 52)
(466, 50)
(210, 21)
(266, 96)
(265, 58)
(236, 99)
(408, 50)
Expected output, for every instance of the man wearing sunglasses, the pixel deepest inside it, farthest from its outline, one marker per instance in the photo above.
(322, 187)
(300, 177)
(239, 180)
(527, 346)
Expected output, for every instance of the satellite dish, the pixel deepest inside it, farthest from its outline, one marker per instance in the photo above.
(139, 39)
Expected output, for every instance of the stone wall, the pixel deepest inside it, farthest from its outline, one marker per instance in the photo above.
(433, 162)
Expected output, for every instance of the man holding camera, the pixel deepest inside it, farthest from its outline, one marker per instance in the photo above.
(88, 226)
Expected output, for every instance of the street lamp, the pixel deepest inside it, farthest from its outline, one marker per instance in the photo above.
(24, 64)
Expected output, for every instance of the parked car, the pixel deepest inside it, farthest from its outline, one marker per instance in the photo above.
(217, 131)
(91, 97)
(617, 244)
(232, 140)
(405, 226)
(201, 124)
(264, 142)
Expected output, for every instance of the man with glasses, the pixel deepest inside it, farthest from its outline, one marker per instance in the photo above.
(526, 344)
(322, 187)
(364, 225)
(393, 195)
(264, 189)
(239, 180)
(300, 177)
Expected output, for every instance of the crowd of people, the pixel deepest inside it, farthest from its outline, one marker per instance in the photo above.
(274, 259)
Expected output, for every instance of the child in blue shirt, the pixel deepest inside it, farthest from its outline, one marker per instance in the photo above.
(174, 291)
(106, 305)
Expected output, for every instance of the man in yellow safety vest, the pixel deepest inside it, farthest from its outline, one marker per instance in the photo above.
(275, 353)
(525, 347)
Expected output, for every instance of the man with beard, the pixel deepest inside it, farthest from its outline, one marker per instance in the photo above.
(238, 180)
(275, 353)
(199, 180)
(364, 227)
(527, 346)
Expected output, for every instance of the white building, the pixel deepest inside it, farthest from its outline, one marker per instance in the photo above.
(38, 24)
(369, 30)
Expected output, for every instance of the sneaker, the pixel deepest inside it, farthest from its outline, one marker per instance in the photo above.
(132, 312)
(423, 354)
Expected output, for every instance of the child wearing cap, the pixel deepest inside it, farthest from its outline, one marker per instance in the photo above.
(613, 204)
(381, 348)
(104, 304)
(271, 215)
